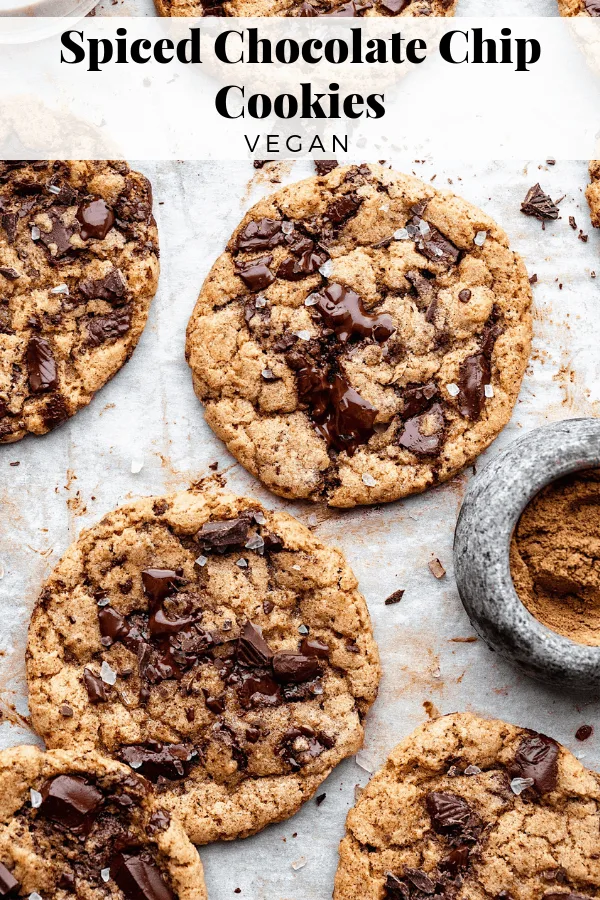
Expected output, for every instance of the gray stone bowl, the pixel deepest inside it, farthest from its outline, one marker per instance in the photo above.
(493, 503)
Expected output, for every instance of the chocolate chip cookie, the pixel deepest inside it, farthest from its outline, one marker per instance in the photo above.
(579, 7)
(322, 8)
(593, 192)
(78, 269)
(469, 807)
(74, 825)
(363, 337)
(217, 648)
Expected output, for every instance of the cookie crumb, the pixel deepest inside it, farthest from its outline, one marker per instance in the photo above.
(436, 568)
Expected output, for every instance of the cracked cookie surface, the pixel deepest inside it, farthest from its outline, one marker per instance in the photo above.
(76, 825)
(473, 808)
(363, 337)
(78, 270)
(218, 648)
(303, 8)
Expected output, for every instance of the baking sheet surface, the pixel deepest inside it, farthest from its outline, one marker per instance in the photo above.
(69, 479)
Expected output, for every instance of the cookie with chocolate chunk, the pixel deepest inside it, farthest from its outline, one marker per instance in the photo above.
(363, 337)
(78, 270)
(592, 192)
(219, 649)
(471, 807)
(303, 8)
(77, 825)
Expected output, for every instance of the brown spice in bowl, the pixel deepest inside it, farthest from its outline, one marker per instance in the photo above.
(555, 557)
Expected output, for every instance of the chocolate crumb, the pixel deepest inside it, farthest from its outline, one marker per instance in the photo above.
(396, 597)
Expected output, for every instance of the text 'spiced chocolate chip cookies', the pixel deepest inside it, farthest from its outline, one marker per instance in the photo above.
(78, 269)
(219, 649)
(325, 8)
(467, 807)
(81, 826)
(363, 337)
(593, 192)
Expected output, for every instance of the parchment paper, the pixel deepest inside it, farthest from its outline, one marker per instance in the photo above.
(69, 479)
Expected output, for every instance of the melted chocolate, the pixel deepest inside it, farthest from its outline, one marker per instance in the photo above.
(343, 311)
(424, 435)
(537, 758)
(256, 273)
(41, 365)
(139, 878)
(154, 761)
(96, 218)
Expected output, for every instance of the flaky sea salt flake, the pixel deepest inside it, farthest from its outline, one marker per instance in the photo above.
(368, 479)
(260, 301)
(137, 464)
(54, 189)
(326, 269)
(299, 863)
(34, 896)
(108, 675)
(518, 785)
(453, 389)
(424, 227)
(311, 300)
(364, 761)
(105, 874)
(35, 236)
(488, 390)
(479, 238)
(201, 561)
(401, 234)
(60, 289)
(303, 334)
(242, 563)
(255, 543)
(36, 798)
(287, 227)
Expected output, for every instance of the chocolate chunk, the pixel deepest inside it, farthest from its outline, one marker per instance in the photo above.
(110, 288)
(158, 584)
(71, 801)
(539, 204)
(94, 686)
(338, 211)
(307, 10)
(263, 234)
(475, 373)
(9, 222)
(215, 704)
(293, 269)
(395, 888)
(159, 821)
(55, 411)
(592, 7)
(41, 365)
(393, 7)
(448, 812)
(344, 312)
(418, 398)
(424, 434)
(314, 647)
(457, 859)
(139, 878)
(300, 745)
(102, 329)
(584, 732)
(96, 217)
(257, 689)
(438, 248)
(537, 758)
(273, 543)
(154, 761)
(252, 649)
(66, 882)
(256, 273)
(28, 188)
(66, 711)
(58, 239)
(252, 735)
(9, 273)
(8, 882)
(465, 295)
(325, 166)
(220, 536)
(294, 668)
(420, 880)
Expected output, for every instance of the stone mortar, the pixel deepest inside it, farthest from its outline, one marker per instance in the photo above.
(493, 503)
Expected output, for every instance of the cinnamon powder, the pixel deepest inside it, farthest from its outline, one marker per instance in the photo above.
(555, 557)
